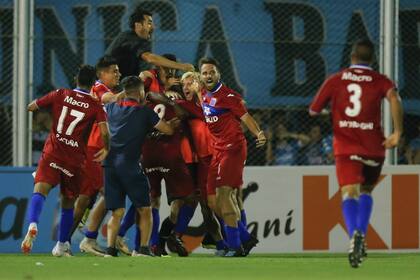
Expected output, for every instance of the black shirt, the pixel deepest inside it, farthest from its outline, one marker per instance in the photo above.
(127, 49)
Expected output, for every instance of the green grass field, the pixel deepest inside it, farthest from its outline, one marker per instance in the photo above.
(274, 266)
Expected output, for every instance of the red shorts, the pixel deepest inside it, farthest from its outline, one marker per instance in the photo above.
(92, 174)
(165, 162)
(202, 174)
(358, 169)
(54, 172)
(226, 168)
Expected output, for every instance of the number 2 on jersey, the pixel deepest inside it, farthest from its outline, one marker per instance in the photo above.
(79, 116)
(160, 110)
(356, 93)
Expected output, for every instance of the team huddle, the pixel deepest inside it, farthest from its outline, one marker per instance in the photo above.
(133, 122)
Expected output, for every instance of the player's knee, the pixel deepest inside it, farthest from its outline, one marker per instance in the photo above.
(350, 191)
(223, 194)
(118, 213)
(83, 201)
(145, 212)
(211, 202)
(42, 188)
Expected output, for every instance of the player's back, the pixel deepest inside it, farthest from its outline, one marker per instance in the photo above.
(73, 113)
(356, 95)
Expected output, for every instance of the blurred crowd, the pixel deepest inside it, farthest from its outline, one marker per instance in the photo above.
(293, 139)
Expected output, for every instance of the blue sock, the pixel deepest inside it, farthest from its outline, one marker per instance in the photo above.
(350, 207)
(222, 226)
(233, 240)
(185, 215)
(243, 232)
(35, 208)
(243, 217)
(137, 239)
(128, 221)
(154, 238)
(66, 223)
(365, 209)
(91, 234)
(221, 244)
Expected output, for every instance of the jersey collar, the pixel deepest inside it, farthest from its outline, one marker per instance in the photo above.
(129, 102)
(362, 66)
(215, 89)
(82, 91)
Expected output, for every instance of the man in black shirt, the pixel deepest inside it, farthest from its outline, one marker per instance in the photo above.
(132, 49)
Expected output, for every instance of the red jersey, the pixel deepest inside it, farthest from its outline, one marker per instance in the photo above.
(73, 114)
(95, 140)
(200, 134)
(355, 96)
(223, 109)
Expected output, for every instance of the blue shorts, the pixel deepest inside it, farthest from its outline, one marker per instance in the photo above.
(126, 179)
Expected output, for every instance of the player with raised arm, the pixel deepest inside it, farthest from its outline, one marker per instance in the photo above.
(355, 95)
(224, 110)
(73, 113)
(132, 49)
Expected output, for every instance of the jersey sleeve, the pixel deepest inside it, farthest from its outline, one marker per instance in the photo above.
(322, 98)
(142, 46)
(47, 99)
(100, 90)
(235, 104)
(194, 110)
(387, 85)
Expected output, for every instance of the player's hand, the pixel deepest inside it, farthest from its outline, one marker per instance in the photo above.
(392, 140)
(261, 139)
(173, 95)
(174, 122)
(101, 155)
(187, 67)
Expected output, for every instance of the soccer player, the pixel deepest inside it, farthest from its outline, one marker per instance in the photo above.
(108, 75)
(224, 110)
(129, 123)
(355, 95)
(202, 146)
(73, 113)
(132, 48)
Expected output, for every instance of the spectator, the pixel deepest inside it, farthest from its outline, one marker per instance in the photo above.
(319, 150)
(413, 152)
(41, 126)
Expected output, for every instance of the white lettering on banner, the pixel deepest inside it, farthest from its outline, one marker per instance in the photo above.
(62, 169)
(68, 142)
(158, 169)
(212, 119)
(355, 124)
(72, 101)
(356, 78)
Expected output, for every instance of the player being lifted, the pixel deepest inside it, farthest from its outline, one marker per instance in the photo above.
(224, 110)
(355, 95)
(73, 113)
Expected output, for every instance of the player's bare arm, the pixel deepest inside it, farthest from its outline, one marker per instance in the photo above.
(109, 97)
(397, 119)
(255, 129)
(32, 106)
(105, 135)
(166, 127)
(164, 62)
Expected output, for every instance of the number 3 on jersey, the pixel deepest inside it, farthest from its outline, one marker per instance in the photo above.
(160, 110)
(79, 116)
(356, 93)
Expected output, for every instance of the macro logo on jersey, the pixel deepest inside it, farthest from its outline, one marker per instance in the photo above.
(349, 76)
(70, 100)
(211, 113)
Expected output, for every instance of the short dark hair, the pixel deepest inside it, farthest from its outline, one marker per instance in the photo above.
(86, 76)
(208, 60)
(364, 50)
(105, 62)
(138, 16)
(131, 83)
